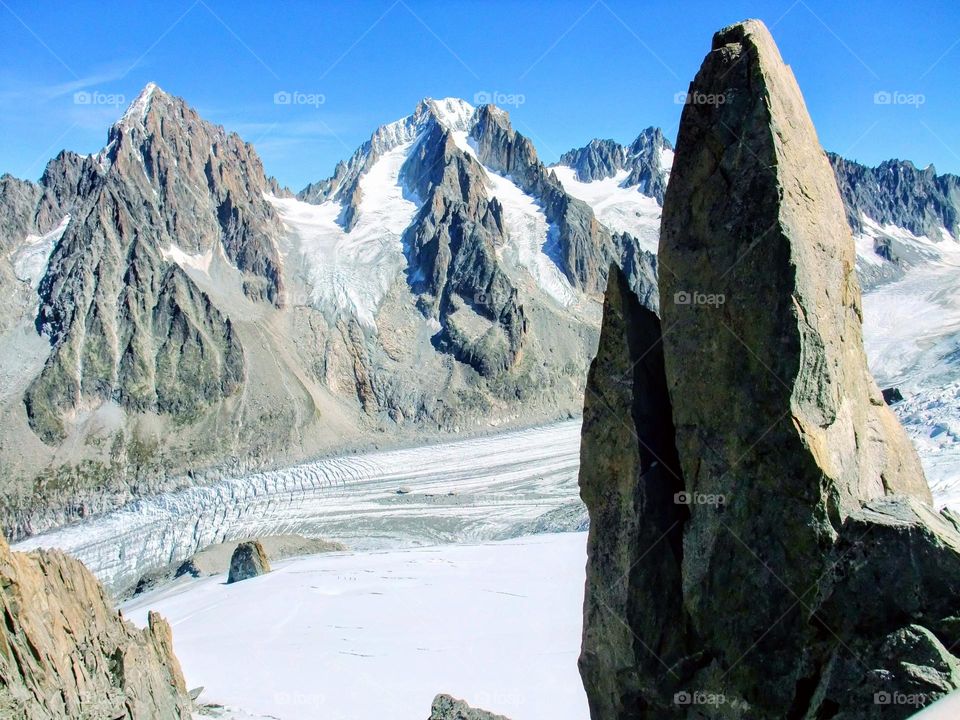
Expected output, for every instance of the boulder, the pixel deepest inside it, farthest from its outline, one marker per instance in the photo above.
(750, 492)
(248, 560)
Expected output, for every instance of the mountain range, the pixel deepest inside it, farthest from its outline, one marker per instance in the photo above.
(171, 313)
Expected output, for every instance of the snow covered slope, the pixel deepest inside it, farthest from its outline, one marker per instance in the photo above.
(364, 636)
(352, 270)
(621, 207)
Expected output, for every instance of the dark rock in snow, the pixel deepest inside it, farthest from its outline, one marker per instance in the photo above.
(891, 396)
(248, 560)
(445, 707)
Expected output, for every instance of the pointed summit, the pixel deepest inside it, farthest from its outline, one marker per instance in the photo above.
(138, 109)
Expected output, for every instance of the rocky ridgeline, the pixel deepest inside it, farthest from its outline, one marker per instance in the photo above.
(642, 159)
(762, 543)
(65, 653)
(896, 192)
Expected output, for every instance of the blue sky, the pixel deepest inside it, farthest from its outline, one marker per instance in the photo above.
(568, 71)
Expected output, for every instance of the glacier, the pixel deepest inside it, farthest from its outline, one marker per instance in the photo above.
(473, 490)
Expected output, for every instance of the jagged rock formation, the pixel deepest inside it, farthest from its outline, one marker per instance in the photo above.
(66, 653)
(445, 707)
(247, 561)
(738, 529)
(897, 193)
(585, 249)
(642, 159)
(452, 249)
(125, 324)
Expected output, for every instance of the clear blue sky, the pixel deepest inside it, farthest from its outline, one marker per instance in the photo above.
(584, 69)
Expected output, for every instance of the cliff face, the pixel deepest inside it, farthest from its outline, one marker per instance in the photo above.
(124, 323)
(66, 653)
(777, 448)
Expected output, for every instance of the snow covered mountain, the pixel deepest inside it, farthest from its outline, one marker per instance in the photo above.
(170, 314)
(172, 311)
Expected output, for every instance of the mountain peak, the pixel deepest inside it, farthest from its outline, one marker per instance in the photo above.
(452, 113)
(138, 109)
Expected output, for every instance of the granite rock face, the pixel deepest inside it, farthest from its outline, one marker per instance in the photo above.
(66, 653)
(445, 707)
(248, 560)
(778, 462)
(629, 476)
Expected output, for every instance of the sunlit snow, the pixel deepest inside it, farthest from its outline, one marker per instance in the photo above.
(360, 636)
(353, 270)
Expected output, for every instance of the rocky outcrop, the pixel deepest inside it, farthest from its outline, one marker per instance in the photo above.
(248, 560)
(66, 653)
(747, 491)
(445, 707)
(452, 251)
(629, 478)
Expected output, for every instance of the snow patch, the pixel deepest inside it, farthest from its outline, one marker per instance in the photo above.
(666, 159)
(199, 262)
(530, 239)
(30, 264)
(453, 113)
(138, 109)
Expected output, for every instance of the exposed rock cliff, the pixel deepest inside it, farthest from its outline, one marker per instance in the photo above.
(786, 455)
(896, 192)
(65, 653)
